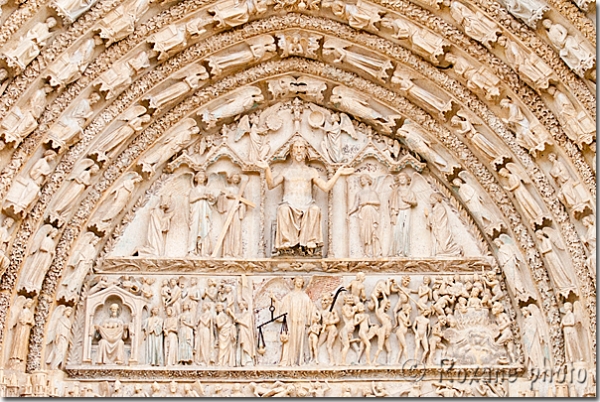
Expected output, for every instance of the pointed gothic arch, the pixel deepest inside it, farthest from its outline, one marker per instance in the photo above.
(481, 104)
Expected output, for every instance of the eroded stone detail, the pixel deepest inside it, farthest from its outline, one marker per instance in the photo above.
(360, 224)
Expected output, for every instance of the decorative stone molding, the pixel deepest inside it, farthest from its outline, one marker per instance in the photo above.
(441, 112)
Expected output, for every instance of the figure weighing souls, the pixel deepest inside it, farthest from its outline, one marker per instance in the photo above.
(113, 331)
(401, 202)
(154, 339)
(367, 205)
(299, 308)
(201, 200)
(298, 216)
(441, 231)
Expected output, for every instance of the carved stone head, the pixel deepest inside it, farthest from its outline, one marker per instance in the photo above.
(365, 180)
(94, 98)
(200, 177)
(51, 22)
(403, 179)
(299, 150)
(235, 179)
(435, 198)
(8, 222)
(298, 282)
(114, 310)
(568, 307)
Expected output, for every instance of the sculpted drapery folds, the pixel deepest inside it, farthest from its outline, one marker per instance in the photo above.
(441, 232)
(298, 217)
(299, 308)
(43, 252)
(113, 331)
(186, 335)
(443, 150)
(21, 331)
(205, 335)
(60, 343)
(402, 201)
(201, 199)
(367, 205)
(29, 46)
(231, 203)
(226, 338)
(23, 119)
(160, 220)
(525, 200)
(154, 339)
(171, 339)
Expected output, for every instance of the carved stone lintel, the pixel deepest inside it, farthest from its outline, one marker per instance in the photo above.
(199, 265)
(182, 373)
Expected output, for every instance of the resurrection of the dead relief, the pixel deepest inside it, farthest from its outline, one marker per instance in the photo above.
(297, 198)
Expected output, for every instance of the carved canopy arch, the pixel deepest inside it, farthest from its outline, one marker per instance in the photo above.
(104, 129)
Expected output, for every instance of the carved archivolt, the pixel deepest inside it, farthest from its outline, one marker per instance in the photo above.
(277, 193)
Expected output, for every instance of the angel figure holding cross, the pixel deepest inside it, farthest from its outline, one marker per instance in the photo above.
(232, 203)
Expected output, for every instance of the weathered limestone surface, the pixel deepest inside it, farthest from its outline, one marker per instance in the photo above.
(293, 198)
